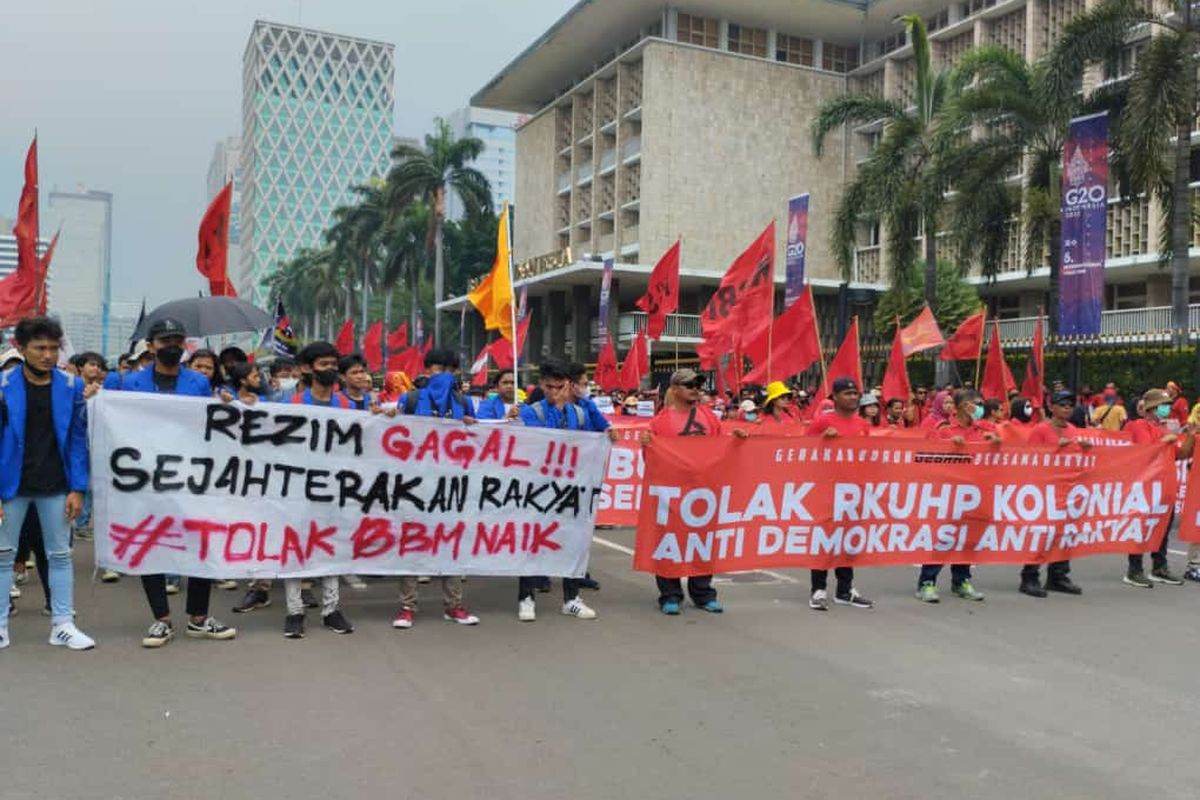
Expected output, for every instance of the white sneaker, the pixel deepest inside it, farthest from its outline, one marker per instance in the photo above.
(355, 582)
(577, 608)
(526, 612)
(3, 638)
(819, 600)
(68, 636)
(14, 592)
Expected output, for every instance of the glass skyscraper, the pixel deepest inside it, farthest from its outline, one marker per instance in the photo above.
(316, 120)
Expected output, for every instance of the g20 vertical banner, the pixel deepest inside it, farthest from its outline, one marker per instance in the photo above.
(797, 239)
(285, 490)
(1084, 220)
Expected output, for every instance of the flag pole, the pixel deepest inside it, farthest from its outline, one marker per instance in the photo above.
(979, 355)
(680, 240)
(512, 308)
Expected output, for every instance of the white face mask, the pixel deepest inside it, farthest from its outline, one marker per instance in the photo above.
(582, 390)
(287, 384)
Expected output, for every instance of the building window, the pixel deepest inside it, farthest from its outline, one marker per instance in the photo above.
(839, 59)
(794, 50)
(747, 41)
(703, 31)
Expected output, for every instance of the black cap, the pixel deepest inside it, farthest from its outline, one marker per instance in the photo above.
(1062, 397)
(844, 384)
(166, 326)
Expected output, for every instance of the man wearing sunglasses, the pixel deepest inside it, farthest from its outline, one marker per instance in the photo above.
(1055, 432)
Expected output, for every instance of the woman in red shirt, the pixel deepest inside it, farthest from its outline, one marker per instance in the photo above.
(778, 409)
(683, 415)
(940, 411)
(1179, 404)
(967, 425)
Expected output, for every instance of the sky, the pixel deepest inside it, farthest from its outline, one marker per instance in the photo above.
(130, 96)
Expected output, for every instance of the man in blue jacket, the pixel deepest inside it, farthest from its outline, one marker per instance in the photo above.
(502, 404)
(43, 464)
(166, 376)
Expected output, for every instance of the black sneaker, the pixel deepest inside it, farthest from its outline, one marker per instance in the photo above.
(1033, 588)
(255, 598)
(306, 597)
(1164, 575)
(854, 599)
(1064, 585)
(337, 622)
(210, 629)
(1137, 578)
(1192, 574)
(588, 582)
(293, 626)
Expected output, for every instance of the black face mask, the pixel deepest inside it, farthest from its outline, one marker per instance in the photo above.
(37, 372)
(326, 377)
(169, 356)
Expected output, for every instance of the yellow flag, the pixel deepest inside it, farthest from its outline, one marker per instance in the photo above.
(493, 297)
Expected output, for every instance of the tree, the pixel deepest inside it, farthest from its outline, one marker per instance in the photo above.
(904, 180)
(405, 256)
(429, 174)
(356, 238)
(957, 299)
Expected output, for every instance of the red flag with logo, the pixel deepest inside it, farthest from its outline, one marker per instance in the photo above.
(212, 254)
(373, 347)
(1034, 385)
(847, 363)
(794, 343)
(741, 308)
(895, 379)
(345, 338)
(922, 333)
(967, 342)
(607, 375)
(662, 292)
(997, 377)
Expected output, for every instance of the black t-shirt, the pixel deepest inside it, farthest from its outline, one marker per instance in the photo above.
(165, 383)
(42, 469)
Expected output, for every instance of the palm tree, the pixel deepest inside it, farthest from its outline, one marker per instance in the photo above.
(429, 174)
(405, 256)
(903, 182)
(308, 285)
(356, 238)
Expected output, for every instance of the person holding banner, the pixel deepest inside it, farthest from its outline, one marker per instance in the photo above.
(356, 382)
(503, 403)
(1055, 432)
(440, 397)
(779, 409)
(682, 414)
(842, 421)
(967, 425)
(43, 466)
(165, 376)
(1150, 429)
(557, 409)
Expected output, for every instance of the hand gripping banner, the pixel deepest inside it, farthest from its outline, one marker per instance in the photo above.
(195, 487)
(723, 504)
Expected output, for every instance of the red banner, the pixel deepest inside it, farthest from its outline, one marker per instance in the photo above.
(620, 495)
(727, 504)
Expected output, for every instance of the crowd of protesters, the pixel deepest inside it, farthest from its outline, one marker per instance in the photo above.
(44, 471)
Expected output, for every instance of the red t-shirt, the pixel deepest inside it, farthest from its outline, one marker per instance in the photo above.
(1045, 433)
(853, 425)
(1144, 431)
(1179, 410)
(973, 432)
(670, 422)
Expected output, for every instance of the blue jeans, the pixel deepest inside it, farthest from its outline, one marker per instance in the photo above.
(85, 516)
(56, 533)
(958, 574)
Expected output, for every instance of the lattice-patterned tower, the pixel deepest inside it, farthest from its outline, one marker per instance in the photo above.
(316, 120)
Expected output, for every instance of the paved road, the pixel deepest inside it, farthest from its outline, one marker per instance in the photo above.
(1091, 697)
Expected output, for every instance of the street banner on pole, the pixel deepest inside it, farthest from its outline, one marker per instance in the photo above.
(605, 290)
(797, 240)
(1084, 220)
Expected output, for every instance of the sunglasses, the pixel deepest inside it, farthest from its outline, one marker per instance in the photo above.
(1065, 404)
(697, 384)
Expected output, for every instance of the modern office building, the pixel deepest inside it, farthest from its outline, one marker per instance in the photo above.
(651, 122)
(316, 120)
(82, 264)
(498, 162)
(225, 166)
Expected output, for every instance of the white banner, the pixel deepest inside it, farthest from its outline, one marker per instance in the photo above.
(196, 487)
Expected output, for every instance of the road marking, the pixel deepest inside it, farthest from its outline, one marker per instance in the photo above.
(620, 548)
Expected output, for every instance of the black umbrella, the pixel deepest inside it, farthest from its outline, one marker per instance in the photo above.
(209, 316)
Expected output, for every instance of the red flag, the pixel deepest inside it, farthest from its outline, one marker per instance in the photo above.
(27, 228)
(637, 364)
(373, 347)
(607, 375)
(1033, 386)
(794, 344)
(662, 293)
(895, 379)
(847, 363)
(479, 373)
(398, 339)
(212, 253)
(997, 377)
(967, 341)
(402, 361)
(922, 333)
(41, 296)
(742, 305)
(501, 350)
(345, 338)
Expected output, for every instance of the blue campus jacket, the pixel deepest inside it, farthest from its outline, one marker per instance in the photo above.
(190, 383)
(490, 408)
(439, 398)
(572, 417)
(69, 411)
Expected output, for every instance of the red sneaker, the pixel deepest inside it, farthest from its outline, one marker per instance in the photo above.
(461, 616)
(404, 618)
